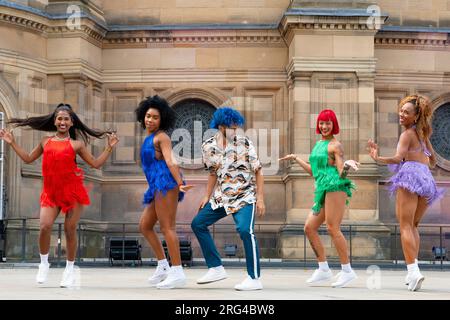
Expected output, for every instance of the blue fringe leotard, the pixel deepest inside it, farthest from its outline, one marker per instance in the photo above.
(158, 175)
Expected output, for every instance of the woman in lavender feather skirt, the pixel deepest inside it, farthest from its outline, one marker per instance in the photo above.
(412, 183)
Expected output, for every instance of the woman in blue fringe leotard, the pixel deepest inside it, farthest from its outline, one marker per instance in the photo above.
(165, 189)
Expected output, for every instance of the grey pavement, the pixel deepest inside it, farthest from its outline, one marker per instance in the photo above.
(110, 283)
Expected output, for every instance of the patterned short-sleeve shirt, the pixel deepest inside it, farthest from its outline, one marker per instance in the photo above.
(235, 167)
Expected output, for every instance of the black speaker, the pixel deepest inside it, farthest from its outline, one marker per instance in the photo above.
(2, 230)
(124, 249)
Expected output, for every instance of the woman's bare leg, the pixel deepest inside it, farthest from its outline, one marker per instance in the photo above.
(312, 225)
(70, 230)
(422, 206)
(407, 204)
(47, 217)
(146, 226)
(166, 210)
(334, 212)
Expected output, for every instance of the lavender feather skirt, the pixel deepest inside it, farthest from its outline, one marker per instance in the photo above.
(416, 178)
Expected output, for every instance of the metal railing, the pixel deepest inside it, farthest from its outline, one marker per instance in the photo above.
(274, 230)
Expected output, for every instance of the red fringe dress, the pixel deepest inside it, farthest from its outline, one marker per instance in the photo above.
(63, 180)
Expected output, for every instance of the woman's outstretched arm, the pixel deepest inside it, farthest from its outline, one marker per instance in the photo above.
(89, 158)
(8, 137)
(402, 149)
(306, 166)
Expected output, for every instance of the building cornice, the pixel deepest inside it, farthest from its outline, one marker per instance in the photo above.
(328, 20)
(389, 78)
(94, 29)
(300, 65)
(402, 39)
(188, 37)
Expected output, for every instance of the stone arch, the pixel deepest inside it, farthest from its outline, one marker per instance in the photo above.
(9, 104)
(8, 99)
(438, 102)
(213, 96)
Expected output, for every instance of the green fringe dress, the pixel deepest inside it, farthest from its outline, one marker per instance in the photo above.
(326, 176)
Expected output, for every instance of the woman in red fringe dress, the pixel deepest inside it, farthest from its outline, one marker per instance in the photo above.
(63, 188)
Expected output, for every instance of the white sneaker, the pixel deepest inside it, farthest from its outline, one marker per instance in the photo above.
(249, 284)
(319, 276)
(407, 279)
(42, 274)
(174, 280)
(214, 274)
(68, 278)
(415, 281)
(344, 279)
(160, 274)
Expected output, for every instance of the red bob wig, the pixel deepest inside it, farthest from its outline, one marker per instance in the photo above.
(328, 115)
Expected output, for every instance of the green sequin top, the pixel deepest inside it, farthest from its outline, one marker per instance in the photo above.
(326, 176)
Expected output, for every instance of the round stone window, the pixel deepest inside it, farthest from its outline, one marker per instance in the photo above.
(191, 129)
(440, 139)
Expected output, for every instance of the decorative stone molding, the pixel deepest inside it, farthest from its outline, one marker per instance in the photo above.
(97, 32)
(29, 22)
(53, 26)
(331, 64)
(197, 75)
(388, 78)
(412, 40)
(169, 38)
(326, 20)
(88, 29)
(78, 78)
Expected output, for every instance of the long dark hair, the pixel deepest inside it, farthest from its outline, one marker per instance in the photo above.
(47, 123)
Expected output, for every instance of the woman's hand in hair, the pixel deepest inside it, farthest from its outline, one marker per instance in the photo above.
(112, 139)
(7, 136)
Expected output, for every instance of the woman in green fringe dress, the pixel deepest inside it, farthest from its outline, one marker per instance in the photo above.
(332, 190)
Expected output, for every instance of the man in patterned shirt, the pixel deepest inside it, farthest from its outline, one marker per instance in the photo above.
(233, 164)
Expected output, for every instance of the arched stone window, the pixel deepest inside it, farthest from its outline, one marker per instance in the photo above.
(440, 139)
(193, 118)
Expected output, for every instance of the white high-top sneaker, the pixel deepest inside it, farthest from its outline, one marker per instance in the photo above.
(42, 274)
(249, 284)
(344, 279)
(407, 279)
(320, 276)
(175, 279)
(68, 278)
(159, 275)
(415, 281)
(214, 274)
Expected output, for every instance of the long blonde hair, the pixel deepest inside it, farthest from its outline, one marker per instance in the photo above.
(422, 107)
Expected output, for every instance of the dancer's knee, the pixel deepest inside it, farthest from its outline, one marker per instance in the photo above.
(309, 229)
(45, 227)
(334, 230)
